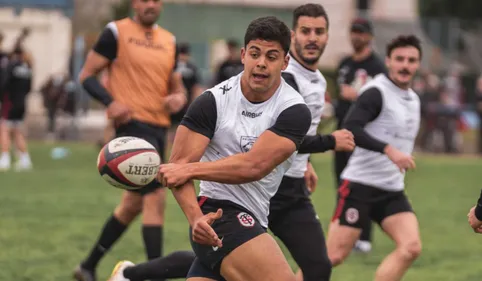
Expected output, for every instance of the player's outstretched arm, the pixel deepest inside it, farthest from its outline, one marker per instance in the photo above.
(272, 148)
(192, 137)
(188, 147)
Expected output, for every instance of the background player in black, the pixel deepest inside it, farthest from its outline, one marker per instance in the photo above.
(232, 65)
(353, 72)
(190, 78)
(18, 83)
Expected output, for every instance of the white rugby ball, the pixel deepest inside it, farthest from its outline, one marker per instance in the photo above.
(128, 162)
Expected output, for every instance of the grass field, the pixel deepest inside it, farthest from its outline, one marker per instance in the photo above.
(50, 217)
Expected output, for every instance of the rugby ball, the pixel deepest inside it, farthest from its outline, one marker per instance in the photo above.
(128, 163)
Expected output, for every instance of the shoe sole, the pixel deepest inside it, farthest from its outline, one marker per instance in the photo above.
(116, 268)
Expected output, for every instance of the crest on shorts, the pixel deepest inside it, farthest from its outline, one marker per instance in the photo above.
(246, 143)
(245, 219)
(352, 215)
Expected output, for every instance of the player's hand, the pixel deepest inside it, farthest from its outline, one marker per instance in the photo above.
(345, 141)
(175, 102)
(119, 112)
(348, 92)
(403, 161)
(203, 233)
(173, 175)
(311, 178)
(474, 222)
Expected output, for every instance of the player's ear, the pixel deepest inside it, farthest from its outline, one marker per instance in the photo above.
(292, 35)
(286, 61)
(243, 53)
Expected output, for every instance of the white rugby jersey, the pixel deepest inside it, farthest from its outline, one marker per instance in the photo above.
(396, 121)
(233, 124)
(311, 85)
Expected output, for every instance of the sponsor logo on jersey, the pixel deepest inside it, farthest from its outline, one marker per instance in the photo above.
(247, 142)
(251, 114)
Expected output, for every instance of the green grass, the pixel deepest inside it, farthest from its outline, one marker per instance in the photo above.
(50, 217)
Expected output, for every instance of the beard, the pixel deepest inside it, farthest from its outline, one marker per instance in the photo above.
(308, 61)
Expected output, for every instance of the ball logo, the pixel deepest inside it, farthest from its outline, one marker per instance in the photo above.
(245, 219)
(141, 170)
(352, 215)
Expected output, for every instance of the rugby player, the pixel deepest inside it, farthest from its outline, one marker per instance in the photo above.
(142, 92)
(385, 120)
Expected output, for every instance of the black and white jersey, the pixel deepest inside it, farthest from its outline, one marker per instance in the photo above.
(311, 85)
(233, 124)
(383, 114)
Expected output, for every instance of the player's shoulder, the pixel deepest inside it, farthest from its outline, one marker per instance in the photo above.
(225, 87)
(374, 85)
(346, 58)
(289, 95)
(165, 33)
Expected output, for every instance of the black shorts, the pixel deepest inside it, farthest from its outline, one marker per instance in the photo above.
(293, 219)
(236, 227)
(358, 203)
(155, 135)
(12, 112)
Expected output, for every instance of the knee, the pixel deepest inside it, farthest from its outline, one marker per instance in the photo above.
(128, 210)
(337, 257)
(411, 250)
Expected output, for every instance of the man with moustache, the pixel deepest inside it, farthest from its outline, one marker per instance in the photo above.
(385, 120)
(353, 72)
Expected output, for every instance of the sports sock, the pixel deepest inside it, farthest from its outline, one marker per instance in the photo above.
(366, 234)
(174, 265)
(152, 235)
(112, 231)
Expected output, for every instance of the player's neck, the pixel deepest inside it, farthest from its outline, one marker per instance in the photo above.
(402, 86)
(257, 97)
(312, 67)
(136, 20)
(363, 54)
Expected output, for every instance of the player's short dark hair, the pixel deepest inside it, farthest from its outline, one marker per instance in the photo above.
(404, 41)
(232, 43)
(269, 29)
(184, 48)
(309, 10)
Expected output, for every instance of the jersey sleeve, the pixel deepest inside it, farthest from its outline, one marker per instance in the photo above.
(293, 123)
(290, 80)
(201, 115)
(367, 107)
(106, 45)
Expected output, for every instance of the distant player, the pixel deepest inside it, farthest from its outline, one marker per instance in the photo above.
(292, 216)
(384, 120)
(353, 72)
(17, 85)
(142, 92)
(232, 65)
(246, 130)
